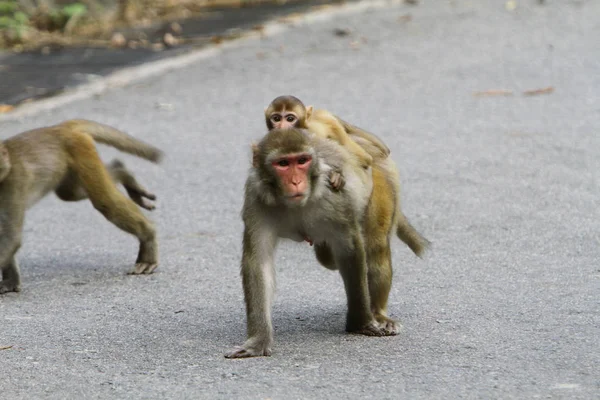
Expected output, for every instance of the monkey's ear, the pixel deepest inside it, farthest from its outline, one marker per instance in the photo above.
(255, 156)
(309, 110)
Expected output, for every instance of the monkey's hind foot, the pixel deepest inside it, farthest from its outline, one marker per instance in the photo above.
(138, 197)
(7, 286)
(143, 268)
(134, 189)
(243, 352)
(388, 325)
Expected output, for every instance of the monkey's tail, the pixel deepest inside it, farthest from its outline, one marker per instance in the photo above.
(409, 235)
(113, 137)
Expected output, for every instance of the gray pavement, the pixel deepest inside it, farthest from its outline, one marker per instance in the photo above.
(507, 305)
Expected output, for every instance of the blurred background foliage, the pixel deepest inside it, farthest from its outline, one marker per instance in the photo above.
(23, 23)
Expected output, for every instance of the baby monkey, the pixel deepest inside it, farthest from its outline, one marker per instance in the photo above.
(289, 112)
(63, 158)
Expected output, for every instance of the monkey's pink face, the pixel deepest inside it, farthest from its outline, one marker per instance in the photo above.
(286, 119)
(292, 170)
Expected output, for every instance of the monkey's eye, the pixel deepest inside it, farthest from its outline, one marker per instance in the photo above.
(276, 118)
(283, 163)
(290, 118)
(303, 160)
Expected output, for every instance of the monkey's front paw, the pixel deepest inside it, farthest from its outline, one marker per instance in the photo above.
(336, 180)
(389, 326)
(370, 329)
(8, 286)
(143, 268)
(243, 352)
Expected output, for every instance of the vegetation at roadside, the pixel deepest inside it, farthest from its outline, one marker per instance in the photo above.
(26, 24)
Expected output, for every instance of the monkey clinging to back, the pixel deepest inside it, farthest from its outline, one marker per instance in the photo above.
(63, 158)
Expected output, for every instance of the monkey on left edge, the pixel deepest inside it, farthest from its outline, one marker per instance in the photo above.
(63, 158)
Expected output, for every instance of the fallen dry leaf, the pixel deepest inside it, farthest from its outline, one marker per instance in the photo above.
(288, 19)
(536, 92)
(5, 347)
(4, 108)
(511, 5)
(176, 28)
(169, 40)
(322, 7)
(164, 106)
(405, 18)
(216, 39)
(494, 92)
(157, 46)
(118, 40)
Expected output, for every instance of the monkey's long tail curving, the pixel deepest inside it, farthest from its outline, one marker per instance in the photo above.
(113, 137)
(409, 235)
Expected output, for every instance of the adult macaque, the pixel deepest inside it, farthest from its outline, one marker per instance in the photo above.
(288, 111)
(286, 196)
(63, 158)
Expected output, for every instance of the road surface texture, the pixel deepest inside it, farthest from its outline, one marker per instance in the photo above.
(507, 305)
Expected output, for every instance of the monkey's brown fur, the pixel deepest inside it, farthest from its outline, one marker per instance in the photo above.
(351, 230)
(63, 158)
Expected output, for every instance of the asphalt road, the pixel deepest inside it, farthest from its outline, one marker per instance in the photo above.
(507, 305)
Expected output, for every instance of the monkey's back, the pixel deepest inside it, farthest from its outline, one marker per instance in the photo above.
(381, 209)
(38, 157)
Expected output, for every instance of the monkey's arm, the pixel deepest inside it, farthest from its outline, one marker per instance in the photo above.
(354, 130)
(258, 279)
(332, 161)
